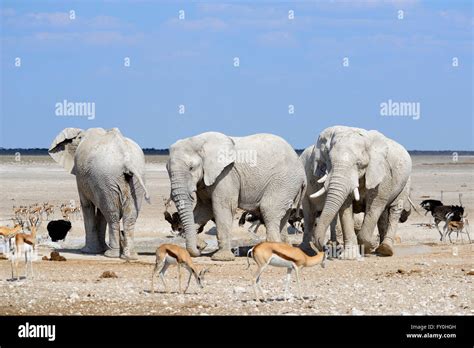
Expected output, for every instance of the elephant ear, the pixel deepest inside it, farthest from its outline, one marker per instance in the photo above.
(63, 148)
(322, 145)
(316, 158)
(378, 166)
(218, 151)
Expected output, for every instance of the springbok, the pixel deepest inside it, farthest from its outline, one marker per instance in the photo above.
(170, 254)
(279, 254)
(24, 244)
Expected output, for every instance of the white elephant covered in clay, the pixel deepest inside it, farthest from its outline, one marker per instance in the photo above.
(259, 173)
(110, 177)
(361, 171)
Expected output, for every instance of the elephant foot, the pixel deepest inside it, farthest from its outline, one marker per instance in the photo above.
(130, 256)
(384, 250)
(367, 247)
(350, 252)
(223, 255)
(115, 252)
(91, 250)
(306, 248)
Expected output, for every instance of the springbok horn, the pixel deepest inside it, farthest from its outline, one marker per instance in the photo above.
(323, 178)
(319, 193)
(356, 194)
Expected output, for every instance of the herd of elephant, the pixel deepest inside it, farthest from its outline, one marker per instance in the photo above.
(347, 171)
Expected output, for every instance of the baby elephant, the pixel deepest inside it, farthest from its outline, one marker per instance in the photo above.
(170, 254)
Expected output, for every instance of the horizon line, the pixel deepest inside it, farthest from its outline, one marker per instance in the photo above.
(149, 150)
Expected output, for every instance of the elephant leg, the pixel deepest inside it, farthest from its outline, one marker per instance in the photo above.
(224, 228)
(224, 204)
(309, 216)
(365, 236)
(274, 220)
(273, 229)
(346, 217)
(387, 236)
(130, 215)
(95, 236)
(101, 226)
(382, 224)
(128, 251)
(202, 214)
(114, 239)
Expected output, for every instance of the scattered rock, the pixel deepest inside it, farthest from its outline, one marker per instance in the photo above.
(471, 272)
(108, 274)
(73, 297)
(54, 256)
(238, 289)
(356, 311)
(402, 271)
(422, 263)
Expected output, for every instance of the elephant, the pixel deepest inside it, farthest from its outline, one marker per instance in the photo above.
(312, 207)
(363, 171)
(259, 173)
(110, 177)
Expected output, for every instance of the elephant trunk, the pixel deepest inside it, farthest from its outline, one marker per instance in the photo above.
(339, 188)
(184, 204)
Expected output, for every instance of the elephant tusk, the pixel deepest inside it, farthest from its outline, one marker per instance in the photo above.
(319, 193)
(322, 179)
(356, 194)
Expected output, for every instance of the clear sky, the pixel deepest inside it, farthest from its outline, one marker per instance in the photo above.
(403, 56)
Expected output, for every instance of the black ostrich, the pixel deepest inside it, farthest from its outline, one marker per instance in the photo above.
(58, 229)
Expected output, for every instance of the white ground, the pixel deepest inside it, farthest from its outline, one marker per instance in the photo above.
(424, 277)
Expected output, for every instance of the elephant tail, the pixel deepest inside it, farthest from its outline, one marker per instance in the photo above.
(131, 170)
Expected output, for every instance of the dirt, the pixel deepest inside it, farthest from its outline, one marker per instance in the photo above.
(425, 276)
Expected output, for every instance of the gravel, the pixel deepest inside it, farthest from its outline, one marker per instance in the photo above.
(405, 285)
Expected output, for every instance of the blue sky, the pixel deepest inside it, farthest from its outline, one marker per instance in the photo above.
(283, 62)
